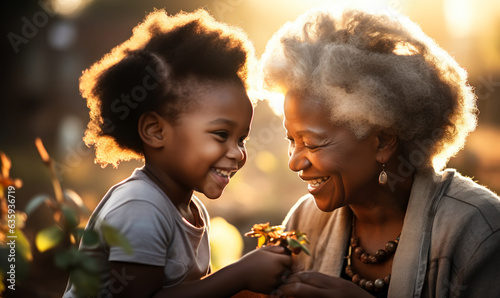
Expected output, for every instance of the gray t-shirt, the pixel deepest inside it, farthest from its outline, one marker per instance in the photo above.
(155, 229)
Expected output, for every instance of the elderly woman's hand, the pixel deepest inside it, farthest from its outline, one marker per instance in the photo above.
(315, 284)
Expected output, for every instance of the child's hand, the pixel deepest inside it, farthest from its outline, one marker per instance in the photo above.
(263, 269)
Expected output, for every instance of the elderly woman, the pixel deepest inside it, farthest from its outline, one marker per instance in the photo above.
(373, 111)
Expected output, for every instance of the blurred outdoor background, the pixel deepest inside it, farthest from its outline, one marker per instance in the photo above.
(52, 41)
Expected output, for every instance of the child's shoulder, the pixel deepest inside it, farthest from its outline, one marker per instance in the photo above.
(138, 188)
(135, 198)
(138, 182)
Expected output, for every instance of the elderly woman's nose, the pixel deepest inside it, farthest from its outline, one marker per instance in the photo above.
(298, 161)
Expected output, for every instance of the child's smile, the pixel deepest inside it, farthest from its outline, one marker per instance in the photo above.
(223, 175)
(207, 145)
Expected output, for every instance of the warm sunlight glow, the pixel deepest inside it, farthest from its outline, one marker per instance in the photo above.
(276, 101)
(226, 243)
(375, 4)
(404, 49)
(459, 17)
(68, 7)
(266, 161)
(290, 10)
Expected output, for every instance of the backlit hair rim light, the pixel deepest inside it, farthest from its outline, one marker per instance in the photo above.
(376, 70)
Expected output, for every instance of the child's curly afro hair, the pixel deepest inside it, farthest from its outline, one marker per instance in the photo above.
(158, 69)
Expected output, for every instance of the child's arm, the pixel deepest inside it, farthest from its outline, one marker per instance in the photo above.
(260, 271)
(134, 280)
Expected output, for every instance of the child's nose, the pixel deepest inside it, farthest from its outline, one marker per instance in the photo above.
(236, 152)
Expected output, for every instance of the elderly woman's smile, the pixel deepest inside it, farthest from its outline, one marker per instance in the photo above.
(314, 183)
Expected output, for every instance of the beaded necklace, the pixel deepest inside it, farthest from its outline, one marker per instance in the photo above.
(380, 256)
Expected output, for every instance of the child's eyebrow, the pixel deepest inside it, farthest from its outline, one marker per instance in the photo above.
(223, 121)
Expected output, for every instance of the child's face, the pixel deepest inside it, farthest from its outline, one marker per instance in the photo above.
(207, 145)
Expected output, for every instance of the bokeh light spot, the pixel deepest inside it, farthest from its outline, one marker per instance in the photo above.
(226, 243)
(266, 162)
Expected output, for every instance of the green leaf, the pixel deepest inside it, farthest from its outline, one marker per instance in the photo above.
(293, 242)
(48, 238)
(303, 238)
(23, 246)
(36, 202)
(78, 233)
(71, 195)
(62, 259)
(88, 263)
(305, 249)
(86, 283)
(114, 238)
(71, 217)
(66, 258)
(90, 238)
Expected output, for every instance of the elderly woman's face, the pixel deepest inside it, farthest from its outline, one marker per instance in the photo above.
(338, 168)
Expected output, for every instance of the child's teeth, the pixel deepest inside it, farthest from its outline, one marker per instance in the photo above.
(223, 172)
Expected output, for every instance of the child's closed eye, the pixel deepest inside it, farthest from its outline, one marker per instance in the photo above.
(222, 135)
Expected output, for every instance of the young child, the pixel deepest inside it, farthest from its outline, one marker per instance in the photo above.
(175, 95)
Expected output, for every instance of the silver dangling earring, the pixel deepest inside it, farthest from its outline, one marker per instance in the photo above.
(382, 178)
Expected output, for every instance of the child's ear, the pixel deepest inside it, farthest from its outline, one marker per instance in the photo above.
(152, 129)
(387, 144)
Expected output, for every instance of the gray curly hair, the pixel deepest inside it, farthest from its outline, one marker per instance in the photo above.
(376, 71)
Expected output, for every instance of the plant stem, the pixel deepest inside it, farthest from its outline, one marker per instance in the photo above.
(49, 162)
